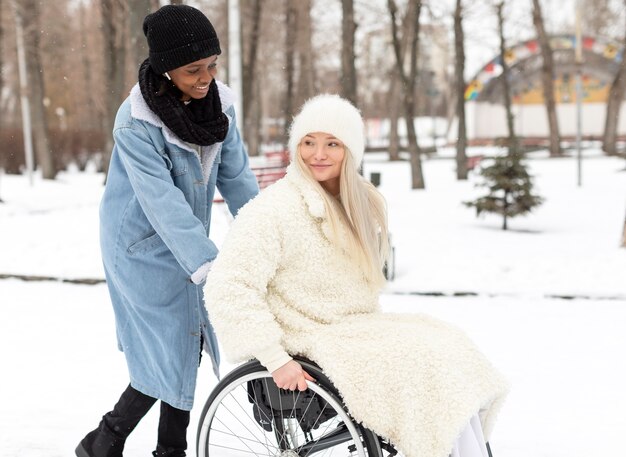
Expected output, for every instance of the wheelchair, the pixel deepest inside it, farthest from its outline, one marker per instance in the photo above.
(246, 414)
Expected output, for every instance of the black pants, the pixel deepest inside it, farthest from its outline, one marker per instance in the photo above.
(133, 406)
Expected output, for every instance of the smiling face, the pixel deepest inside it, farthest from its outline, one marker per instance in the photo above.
(193, 79)
(323, 155)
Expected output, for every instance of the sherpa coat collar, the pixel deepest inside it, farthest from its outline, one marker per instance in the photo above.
(317, 208)
(310, 195)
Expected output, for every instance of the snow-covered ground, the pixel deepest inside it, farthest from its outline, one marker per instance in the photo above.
(564, 358)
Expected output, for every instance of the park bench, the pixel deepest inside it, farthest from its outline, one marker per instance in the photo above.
(473, 161)
(273, 168)
(268, 169)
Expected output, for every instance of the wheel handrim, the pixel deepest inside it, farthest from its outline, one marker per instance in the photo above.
(229, 428)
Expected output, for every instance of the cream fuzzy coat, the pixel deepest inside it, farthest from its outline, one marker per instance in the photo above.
(279, 287)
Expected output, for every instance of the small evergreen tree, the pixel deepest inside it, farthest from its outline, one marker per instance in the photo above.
(510, 189)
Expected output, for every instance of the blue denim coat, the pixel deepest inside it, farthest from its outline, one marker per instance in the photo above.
(154, 223)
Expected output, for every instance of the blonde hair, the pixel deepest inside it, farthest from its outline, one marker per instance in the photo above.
(362, 208)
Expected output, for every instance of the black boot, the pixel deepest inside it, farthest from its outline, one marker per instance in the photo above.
(99, 443)
(168, 452)
(109, 438)
(173, 424)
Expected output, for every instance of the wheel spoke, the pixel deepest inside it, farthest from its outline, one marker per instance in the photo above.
(254, 402)
(240, 421)
(240, 438)
(236, 414)
(230, 433)
(237, 450)
(324, 432)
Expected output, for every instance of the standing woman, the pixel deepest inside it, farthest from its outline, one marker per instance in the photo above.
(176, 139)
(300, 273)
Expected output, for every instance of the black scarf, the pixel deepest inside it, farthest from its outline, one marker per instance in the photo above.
(200, 122)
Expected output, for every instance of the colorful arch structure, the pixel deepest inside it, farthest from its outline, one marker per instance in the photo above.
(600, 62)
(484, 95)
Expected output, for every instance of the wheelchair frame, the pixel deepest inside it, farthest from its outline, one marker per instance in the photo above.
(278, 436)
(284, 434)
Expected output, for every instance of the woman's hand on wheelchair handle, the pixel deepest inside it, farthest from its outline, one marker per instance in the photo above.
(291, 376)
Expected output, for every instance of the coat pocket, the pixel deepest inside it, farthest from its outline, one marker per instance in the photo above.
(146, 244)
(180, 163)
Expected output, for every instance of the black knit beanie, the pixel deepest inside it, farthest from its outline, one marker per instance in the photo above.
(178, 35)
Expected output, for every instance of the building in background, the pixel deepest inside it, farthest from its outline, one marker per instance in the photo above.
(486, 117)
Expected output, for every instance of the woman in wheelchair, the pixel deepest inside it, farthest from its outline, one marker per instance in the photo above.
(299, 274)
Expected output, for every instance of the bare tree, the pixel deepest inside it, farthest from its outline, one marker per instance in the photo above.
(304, 48)
(408, 81)
(506, 85)
(85, 97)
(299, 69)
(114, 14)
(395, 91)
(348, 57)
(251, 99)
(290, 34)
(137, 10)
(613, 106)
(1, 85)
(1, 45)
(91, 77)
(28, 12)
(1, 63)
(394, 115)
(547, 78)
(459, 46)
(599, 17)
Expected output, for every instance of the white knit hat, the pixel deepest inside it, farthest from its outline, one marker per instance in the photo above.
(331, 114)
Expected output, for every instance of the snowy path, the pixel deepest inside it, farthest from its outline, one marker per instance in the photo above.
(565, 361)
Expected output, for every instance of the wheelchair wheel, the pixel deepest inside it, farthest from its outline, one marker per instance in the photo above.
(247, 415)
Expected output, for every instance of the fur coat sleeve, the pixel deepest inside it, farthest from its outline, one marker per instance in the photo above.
(237, 286)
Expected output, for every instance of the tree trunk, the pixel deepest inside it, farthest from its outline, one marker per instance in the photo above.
(395, 90)
(137, 11)
(290, 39)
(417, 177)
(394, 114)
(506, 86)
(28, 11)
(306, 75)
(90, 79)
(348, 57)
(408, 81)
(1, 72)
(613, 107)
(547, 77)
(250, 94)
(2, 152)
(459, 46)
(258, 111)
(114, 38)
